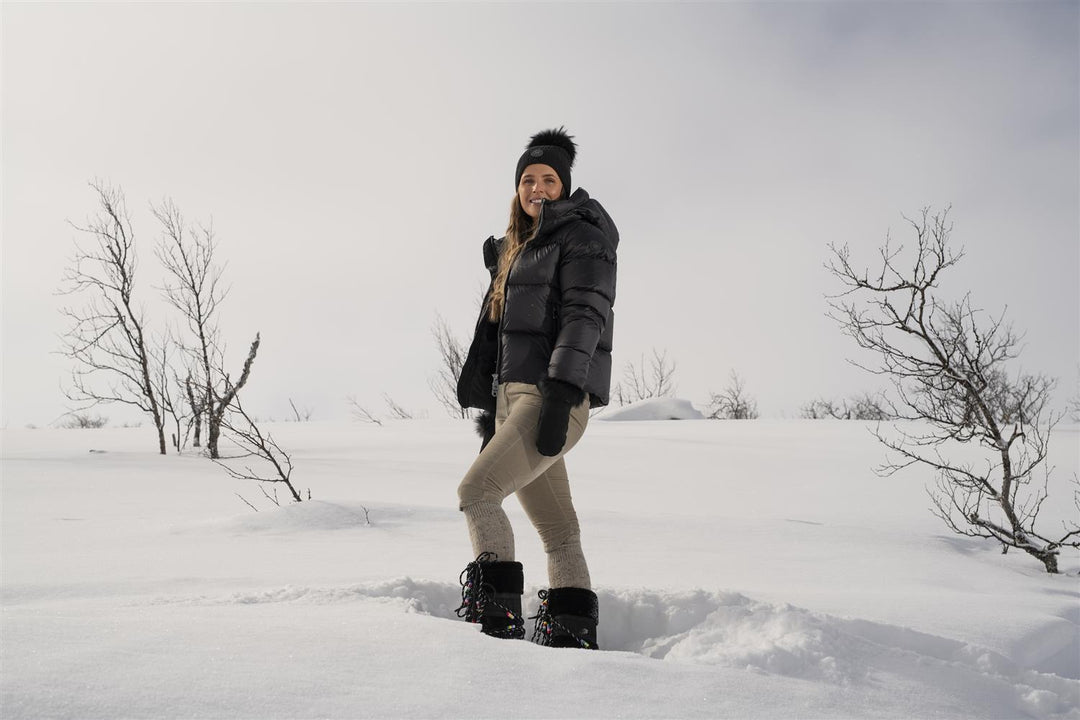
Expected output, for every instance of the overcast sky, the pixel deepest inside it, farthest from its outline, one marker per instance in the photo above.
(353, 157)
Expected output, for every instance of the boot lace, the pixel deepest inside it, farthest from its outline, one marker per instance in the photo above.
(476, 596)
(513, 630)
(542, 627)
(546, 624)
(473, 595)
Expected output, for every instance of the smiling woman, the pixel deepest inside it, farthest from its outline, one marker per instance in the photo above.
(539, 184)
(540, 358)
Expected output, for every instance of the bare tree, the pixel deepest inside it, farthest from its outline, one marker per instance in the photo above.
(108, 339)
(361, 413)
(452, 354)
(253, 442)
(822, 408)
(644, 381)
(865, 406)
(173, 403)
(947, 364)
(195, 288)
(733, 402)
(396, 411)
(196, 406)
(84, 421)
(219, 403)
(300, 415)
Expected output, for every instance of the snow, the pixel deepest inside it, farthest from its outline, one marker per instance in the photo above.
(653, 409)
(744, 569)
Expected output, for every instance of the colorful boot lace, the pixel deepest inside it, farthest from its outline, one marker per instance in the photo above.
(491, 595)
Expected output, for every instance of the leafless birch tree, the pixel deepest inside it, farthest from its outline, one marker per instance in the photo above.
(173, 403)
(947, 362)
(360, 412)
(396, 411)
(733, 402)
(196, 289)
(108, 337)
(452, 353)
(197, 408)
(255, 443)
(300, 415)
(219, 401)
(646, 380)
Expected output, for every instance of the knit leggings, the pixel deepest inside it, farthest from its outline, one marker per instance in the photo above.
(511, 464)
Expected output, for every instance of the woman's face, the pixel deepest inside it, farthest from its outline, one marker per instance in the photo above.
(538, 183)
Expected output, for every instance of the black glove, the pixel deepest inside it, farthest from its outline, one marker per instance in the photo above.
(485, 428)
(559, 399)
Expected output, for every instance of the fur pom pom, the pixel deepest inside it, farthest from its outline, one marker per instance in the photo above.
(485, 425)
(557, 137)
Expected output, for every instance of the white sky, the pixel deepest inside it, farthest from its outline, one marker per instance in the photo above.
(353, 157)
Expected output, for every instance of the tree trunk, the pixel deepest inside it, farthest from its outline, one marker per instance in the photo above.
(214, 433)
(1049, 559)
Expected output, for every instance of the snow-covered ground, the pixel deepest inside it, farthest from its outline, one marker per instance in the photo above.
(745, 569)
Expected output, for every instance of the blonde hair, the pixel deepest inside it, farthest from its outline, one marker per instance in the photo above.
(519, 232)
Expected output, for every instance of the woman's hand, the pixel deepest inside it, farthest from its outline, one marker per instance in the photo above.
(559, 399)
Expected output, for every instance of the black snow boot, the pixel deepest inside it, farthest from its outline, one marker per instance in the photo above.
(491, 595)
(567, 618)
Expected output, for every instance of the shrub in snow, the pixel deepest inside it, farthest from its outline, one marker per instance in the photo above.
(733, 403)
(641, 384)
(867, 406)
(84, 421)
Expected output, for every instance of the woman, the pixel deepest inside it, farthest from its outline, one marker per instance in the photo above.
(539, 360)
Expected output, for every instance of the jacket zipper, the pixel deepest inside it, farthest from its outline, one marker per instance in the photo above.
(498, 359)
(498, 339)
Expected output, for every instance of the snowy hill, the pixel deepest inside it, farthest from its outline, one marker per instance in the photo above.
(653, 409)
(744, 569)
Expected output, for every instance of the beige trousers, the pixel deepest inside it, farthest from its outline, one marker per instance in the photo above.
(511, 464)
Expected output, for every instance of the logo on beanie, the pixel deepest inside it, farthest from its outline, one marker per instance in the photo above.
(537, 153)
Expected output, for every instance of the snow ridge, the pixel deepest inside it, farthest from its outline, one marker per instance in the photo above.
(730, 630)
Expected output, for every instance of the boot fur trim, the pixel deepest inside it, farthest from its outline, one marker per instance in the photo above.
(504, 577)
(573, 601)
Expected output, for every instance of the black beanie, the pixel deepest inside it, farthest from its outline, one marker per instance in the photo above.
(553, 148)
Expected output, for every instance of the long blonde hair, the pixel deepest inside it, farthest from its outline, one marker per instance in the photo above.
(519, 232)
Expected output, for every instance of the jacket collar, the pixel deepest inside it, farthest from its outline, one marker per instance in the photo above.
(579, 206)
(559, 213)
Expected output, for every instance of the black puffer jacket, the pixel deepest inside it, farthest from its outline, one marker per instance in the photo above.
(558, 320)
